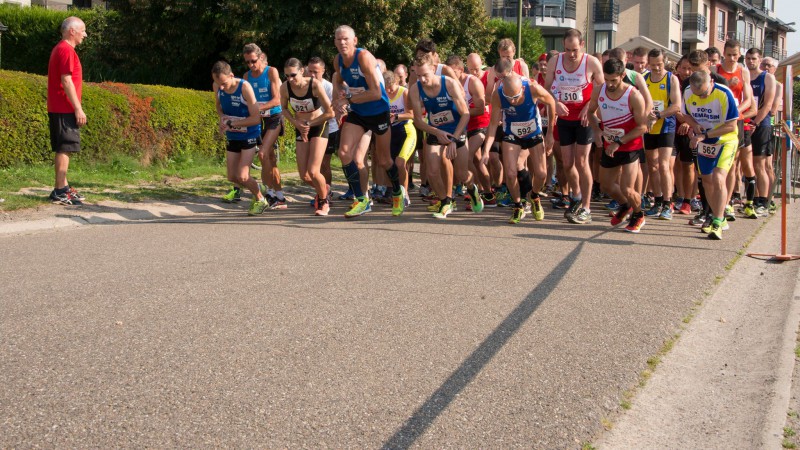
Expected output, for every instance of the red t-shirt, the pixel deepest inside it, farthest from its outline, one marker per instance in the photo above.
(63, 60)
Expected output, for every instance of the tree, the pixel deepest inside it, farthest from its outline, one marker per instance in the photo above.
(182, 39)
(532, 41)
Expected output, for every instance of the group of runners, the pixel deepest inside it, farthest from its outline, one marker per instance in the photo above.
(573, 126)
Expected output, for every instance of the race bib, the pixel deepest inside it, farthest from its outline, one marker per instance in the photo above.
(545, 121)
(658, 106)
(442, 118)
(302, 105)
(356, 90)
(571, 94)
(522, 129)
(263, 112)
(709, 150)
(609, 133)
(235, 129)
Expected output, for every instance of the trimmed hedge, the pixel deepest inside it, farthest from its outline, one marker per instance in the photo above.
(150, 123)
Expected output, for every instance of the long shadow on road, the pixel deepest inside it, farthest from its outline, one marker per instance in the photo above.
(425, 415)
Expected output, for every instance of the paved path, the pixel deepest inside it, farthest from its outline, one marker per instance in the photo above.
(201, 326)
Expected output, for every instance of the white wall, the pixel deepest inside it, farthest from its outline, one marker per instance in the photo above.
(17, 2)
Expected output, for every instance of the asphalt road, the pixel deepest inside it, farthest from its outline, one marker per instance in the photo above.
(287, 330)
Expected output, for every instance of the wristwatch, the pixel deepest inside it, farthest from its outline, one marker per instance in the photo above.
(658, 115)
(305, 122)
(617, 139)
(229, 123)
(348, 96)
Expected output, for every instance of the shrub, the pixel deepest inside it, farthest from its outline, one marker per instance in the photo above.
(150, 123)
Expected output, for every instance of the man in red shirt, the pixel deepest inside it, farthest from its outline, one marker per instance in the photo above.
(64, 88)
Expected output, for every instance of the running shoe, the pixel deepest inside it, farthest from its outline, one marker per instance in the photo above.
(398, 202)
(698, 219)
(729, 215)
(323, 209)
(635, 224)
(737, 199)
(560, 203)
(696, 204)
(361, 207)
(761, 211)
(424, 191)
(503, 199)
(581, 216)
(257, 206)
(707, 222)
(613, 205)
(654, 211)
(666, 214)
(646, 203)
(678, 204)
(686, 209)
(773, 208)
(278, 204)
(749, 211)
(347, 195)
(526, 205)
(573, 208)
(489, 200)
(406, 199)
(715, 232)
(64, 198)
(475, 200)
(234, 195)
(458, 190)
(444, 210)
(538, 211)
(75, 194)
(412, 187)
(620, 216)
(517, 215)
(435, 207)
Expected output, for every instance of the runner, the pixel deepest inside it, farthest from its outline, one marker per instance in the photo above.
(479, 111)
(623, 120)
(401, 74)
(446, 125)
(659, 141)
(316, 69)
(763, 85)
(480, 160)
(714, 56)
(771, 65)
(404, 136)
(515, 102)
(710, 110)
(312, 110)
(685, 175)
(240, 120)
(640, 60)
(358, 83)
(739, 83)
(570, 79)
(266, 83)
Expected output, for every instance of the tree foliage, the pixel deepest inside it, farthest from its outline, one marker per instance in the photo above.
(181, 39)
(533, 43)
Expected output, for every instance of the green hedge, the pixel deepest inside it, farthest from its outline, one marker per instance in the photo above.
(150, 123)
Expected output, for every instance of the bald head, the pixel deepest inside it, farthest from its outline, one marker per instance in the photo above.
(512, 86)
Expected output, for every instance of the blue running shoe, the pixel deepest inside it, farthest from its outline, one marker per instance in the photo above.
(613, 205)
(347, 195)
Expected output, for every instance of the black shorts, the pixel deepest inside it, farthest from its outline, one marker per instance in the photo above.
(333, 143)
(524, 143)
(378, 124)
(498, 138)
(762, 140)
(272, 122)
(319, 131)
(642, 156)
(246, 144)
(619, 159)
(685, 153)
(476, 131)
(656, 141)
(572, 132)
(65, 135)
(461, 141)
(745, 138)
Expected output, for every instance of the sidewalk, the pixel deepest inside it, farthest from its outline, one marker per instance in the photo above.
(727, 382)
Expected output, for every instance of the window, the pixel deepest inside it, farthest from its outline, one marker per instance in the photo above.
(675, 46)
(554, 42)
(769, 5)
(720, 25)
(676, 10)
(602, 41)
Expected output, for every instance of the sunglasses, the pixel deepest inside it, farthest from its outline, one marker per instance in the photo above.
(250, 62)
(513, 97)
